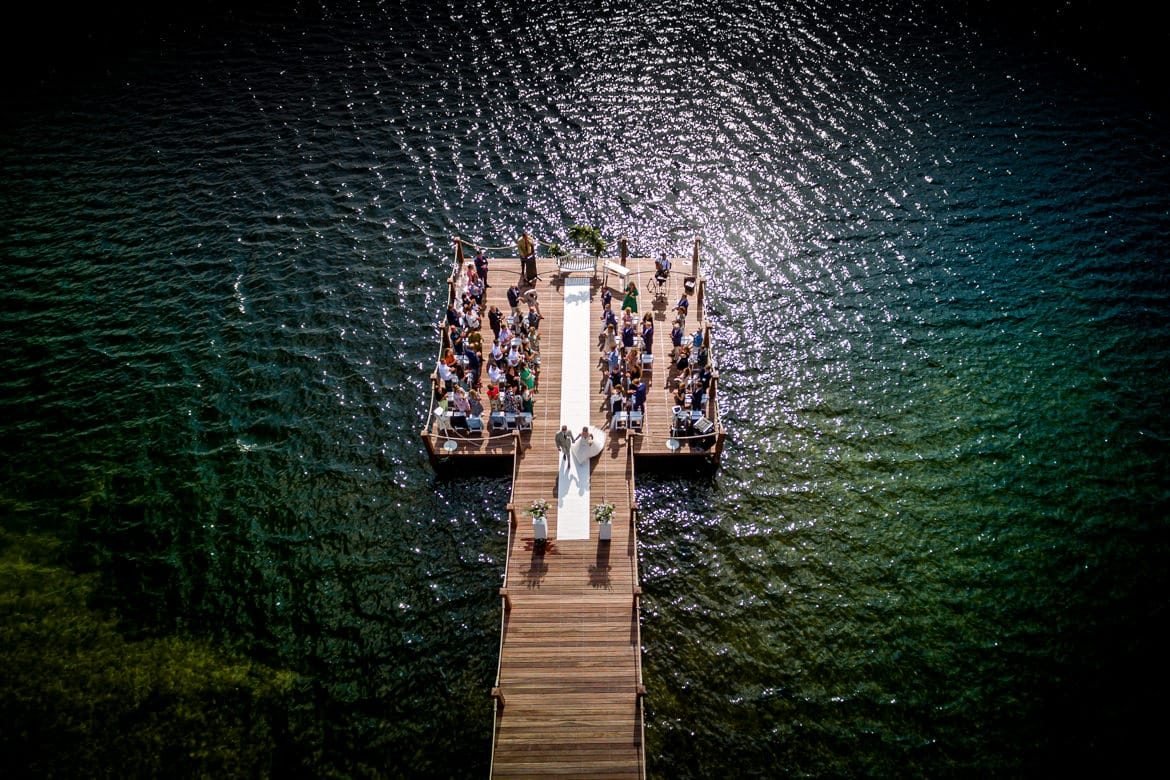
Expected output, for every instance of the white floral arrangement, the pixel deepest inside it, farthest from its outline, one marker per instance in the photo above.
(538, 509)
(603, 513)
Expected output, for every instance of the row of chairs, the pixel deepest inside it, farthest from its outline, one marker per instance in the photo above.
(501, 422)
(621, 419)
(627, 420)
(691, 423)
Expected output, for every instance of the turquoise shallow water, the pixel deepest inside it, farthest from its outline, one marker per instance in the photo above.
(938, 541)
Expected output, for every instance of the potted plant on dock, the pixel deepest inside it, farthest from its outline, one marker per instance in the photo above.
(539, 513)
(603, 514)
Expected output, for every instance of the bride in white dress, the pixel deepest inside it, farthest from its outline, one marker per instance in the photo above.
(588, 444)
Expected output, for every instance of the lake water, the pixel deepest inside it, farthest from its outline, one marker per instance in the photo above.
(937, 254)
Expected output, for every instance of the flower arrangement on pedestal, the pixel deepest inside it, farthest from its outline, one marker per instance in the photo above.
(538, 511)
(603, 514)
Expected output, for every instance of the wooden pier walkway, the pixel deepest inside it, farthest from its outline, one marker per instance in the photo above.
(569, 691)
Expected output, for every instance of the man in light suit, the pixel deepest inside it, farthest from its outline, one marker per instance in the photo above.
(564, 442)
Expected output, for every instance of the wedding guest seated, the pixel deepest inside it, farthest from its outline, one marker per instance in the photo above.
(446, 376)
(473, 365)
(461, 401)
(510, 402)
(615, 359)
(495, 373)
(633, 358)
(610, 337)
(527, 378)
(475, 290)
(662, 268)
(470, 318)
(627, 317)
(701, 357)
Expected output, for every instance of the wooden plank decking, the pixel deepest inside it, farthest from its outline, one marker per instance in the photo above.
(569, 687)
(652, 443)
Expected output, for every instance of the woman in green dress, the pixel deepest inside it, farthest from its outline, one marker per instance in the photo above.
(631, 299)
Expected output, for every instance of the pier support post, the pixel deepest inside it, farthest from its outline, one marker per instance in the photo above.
(623, 249)
(695, 260)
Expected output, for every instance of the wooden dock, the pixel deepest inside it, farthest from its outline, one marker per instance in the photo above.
(569, 691)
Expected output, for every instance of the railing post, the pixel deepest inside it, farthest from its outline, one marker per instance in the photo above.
(512, 515)
(507, 599)
(498, 695)
(711, 399)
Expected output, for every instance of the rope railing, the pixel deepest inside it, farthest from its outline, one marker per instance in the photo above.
(442, 343)
(485, 436)
(477, 245)
(637, 607)
(505, 604)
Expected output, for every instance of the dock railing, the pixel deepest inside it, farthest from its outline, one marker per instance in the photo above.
(639, 686)
(505, 599)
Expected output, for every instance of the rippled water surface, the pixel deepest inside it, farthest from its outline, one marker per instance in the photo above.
(938, 266)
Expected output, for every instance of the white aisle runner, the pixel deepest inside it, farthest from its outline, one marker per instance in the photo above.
(573, 481)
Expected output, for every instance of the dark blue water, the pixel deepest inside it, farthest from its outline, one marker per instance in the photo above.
(938, 543)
